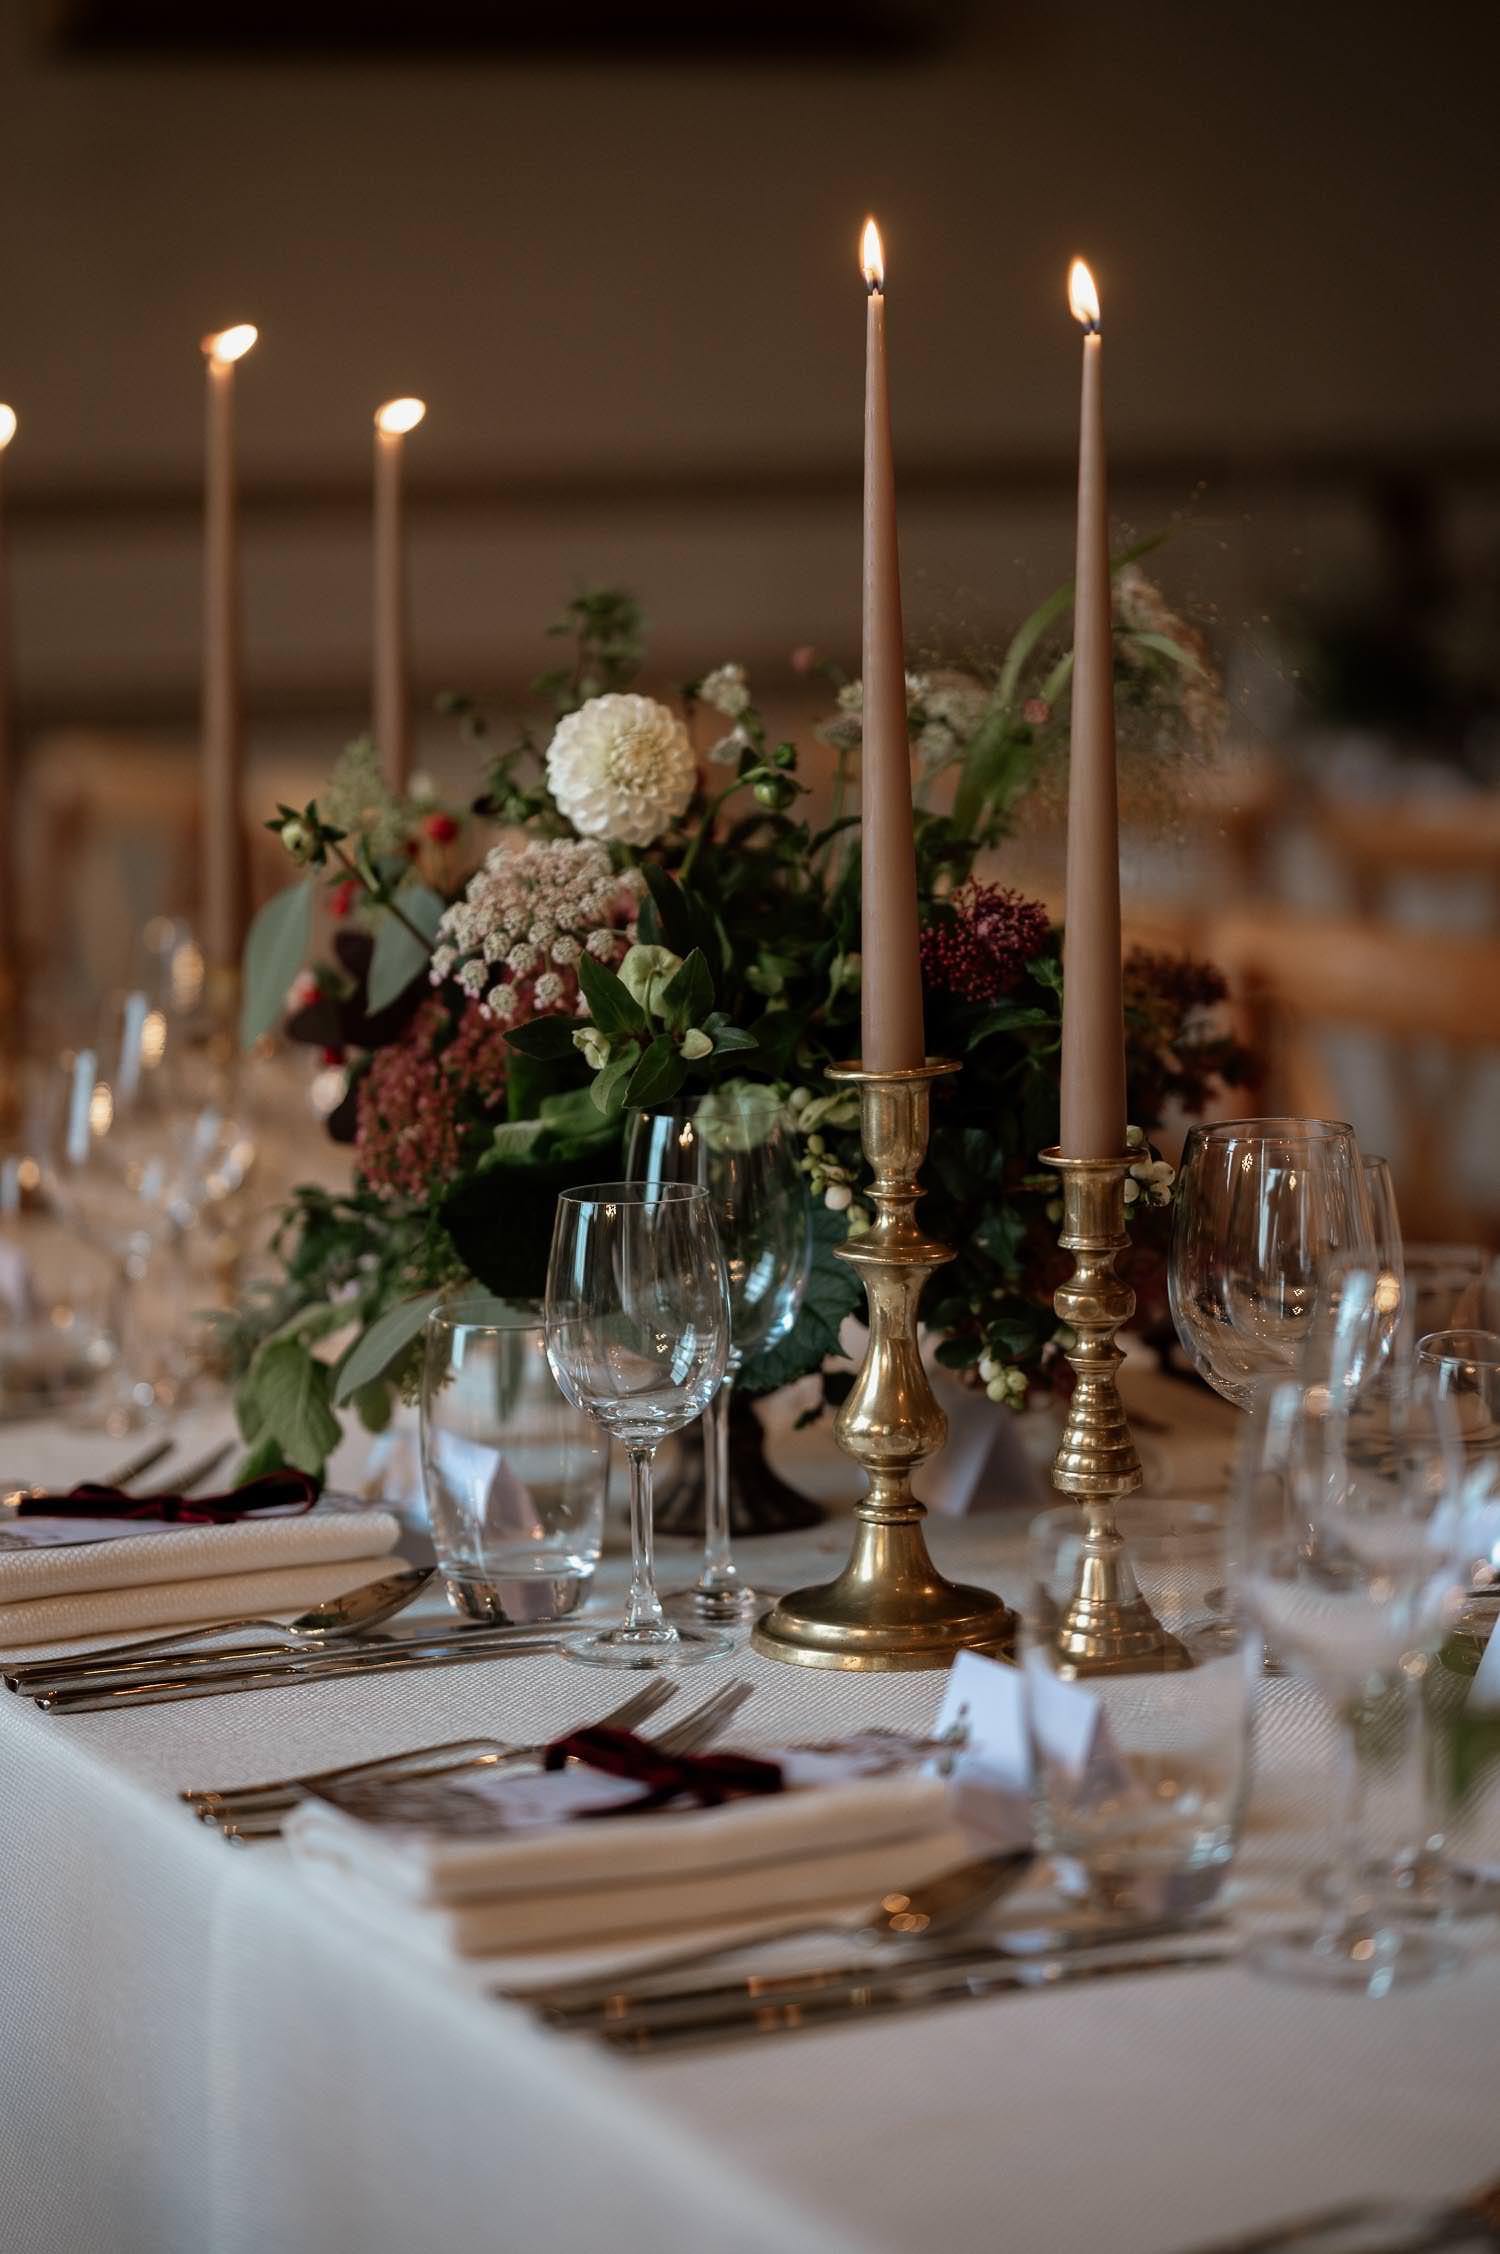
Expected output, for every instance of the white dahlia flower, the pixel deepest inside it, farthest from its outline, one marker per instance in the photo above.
(621, 767)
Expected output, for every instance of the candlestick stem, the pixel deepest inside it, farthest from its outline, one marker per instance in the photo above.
(1108, 1626)
(890, 1608)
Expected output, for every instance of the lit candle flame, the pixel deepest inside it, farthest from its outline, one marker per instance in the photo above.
(1083, 298)
(872, 258)
(399, 415)
(228, 345)
(7, 426)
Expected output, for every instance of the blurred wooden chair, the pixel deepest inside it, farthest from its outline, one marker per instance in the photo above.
(1423, 835)
(1429, 999)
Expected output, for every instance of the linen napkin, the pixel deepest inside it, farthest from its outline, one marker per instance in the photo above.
(64, 1579)
(502, 1862)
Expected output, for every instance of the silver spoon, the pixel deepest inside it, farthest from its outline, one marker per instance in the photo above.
(941, 1907)
(349, 1614)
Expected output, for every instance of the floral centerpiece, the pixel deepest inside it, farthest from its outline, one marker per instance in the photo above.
(636, 903)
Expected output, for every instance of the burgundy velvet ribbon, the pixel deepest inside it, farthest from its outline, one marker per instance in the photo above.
(277, 1490)
(710, 1779)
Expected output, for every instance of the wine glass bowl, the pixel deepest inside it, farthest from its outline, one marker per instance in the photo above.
(637, 1321)
(1264, 1209)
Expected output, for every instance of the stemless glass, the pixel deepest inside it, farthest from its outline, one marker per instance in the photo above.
(638, 1338)
(1264, 1209)
(515, 1475)
(733, 1143)
(1343, 1556)
(1143, 1814)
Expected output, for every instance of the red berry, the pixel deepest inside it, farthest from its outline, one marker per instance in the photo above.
(343, 897)
(333, 1056)
(441, 828)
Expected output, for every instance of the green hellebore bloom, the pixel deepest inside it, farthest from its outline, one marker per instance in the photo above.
(695, 1044)
(593, 1045)
(646, 973)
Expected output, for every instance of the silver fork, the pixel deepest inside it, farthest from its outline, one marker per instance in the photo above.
(695, 1729)
(280, 1793)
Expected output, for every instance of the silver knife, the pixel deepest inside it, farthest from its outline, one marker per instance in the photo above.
(309, 1668)
(882, 1997)
(156, 1666)
(583, 2009)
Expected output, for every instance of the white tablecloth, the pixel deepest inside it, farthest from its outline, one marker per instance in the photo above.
(198, 2057)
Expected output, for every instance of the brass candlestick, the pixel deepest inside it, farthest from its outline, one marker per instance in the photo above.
(1108, 1627)
(890, 1608)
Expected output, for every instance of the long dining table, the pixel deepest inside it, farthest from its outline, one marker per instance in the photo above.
(202, 2056)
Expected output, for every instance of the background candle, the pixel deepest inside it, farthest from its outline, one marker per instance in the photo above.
(224, 876)
(890, 1007)
(392, 703)
(10, 935)
(1093, 1034)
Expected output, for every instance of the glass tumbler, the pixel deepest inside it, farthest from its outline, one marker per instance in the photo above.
(1139, 1779)
(515, 1476)
(1466, 1364)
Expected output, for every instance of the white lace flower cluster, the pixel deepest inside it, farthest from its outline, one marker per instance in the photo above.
(621, 767)
(942, 711)
(514, 938)
(726, 689)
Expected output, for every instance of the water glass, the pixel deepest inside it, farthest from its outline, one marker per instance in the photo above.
(1141, 1810)
(1265, 1209)
(515, 1476)
(60, 1312)
(638, 1338)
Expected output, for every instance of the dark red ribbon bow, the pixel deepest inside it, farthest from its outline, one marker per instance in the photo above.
(277, 1490)
(710, 1779)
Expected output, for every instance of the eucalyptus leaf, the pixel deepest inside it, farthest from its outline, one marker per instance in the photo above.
(377, 1348)
(399, 956)
(274, 953)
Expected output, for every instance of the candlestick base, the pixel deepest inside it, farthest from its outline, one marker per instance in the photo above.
(890, 1609)
(1107, 1627)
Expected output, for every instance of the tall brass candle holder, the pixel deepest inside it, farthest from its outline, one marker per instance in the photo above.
(890, 1608)
(1108, 1626)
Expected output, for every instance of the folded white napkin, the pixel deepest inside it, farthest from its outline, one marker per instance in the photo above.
(169, 1576)
(572, 1883)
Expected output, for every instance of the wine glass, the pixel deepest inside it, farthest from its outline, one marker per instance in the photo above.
(1466, 1369)
(734, 1143)
(1264, 1209)
(1344, 1534)
(638, 1337)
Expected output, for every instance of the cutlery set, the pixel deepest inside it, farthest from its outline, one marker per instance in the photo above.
(908, 1953)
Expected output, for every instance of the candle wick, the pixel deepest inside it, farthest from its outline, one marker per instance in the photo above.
(874, 287)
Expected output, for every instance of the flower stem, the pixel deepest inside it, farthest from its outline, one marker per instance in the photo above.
(387, 902)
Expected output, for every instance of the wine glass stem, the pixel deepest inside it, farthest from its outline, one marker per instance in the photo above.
(1344, 1891)
(718, 1564)
(644, 1608)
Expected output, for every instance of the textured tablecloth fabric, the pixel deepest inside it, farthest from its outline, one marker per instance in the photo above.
(199, 2058)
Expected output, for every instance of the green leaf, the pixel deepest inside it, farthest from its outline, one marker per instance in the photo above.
(688, 995)
(608, 1091)
(727, 1037)
(674, 917)
(501, 1220)
(264, 1457)
(274, 953)
(292, 1390)
(657, 1077)
(514, 1138)
(959, 1353)
(1011, 1017)
(833, 1292)
(374, 1407)
(1164, 645)
(399, 956)
(377, 1348)
(573, 1113)
(546, 1037)
(612, 1006)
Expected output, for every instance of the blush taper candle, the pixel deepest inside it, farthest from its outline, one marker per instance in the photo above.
(890, 1008)
(1093, 1026)
(10, 843)
(392, 700)
(223, 856)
